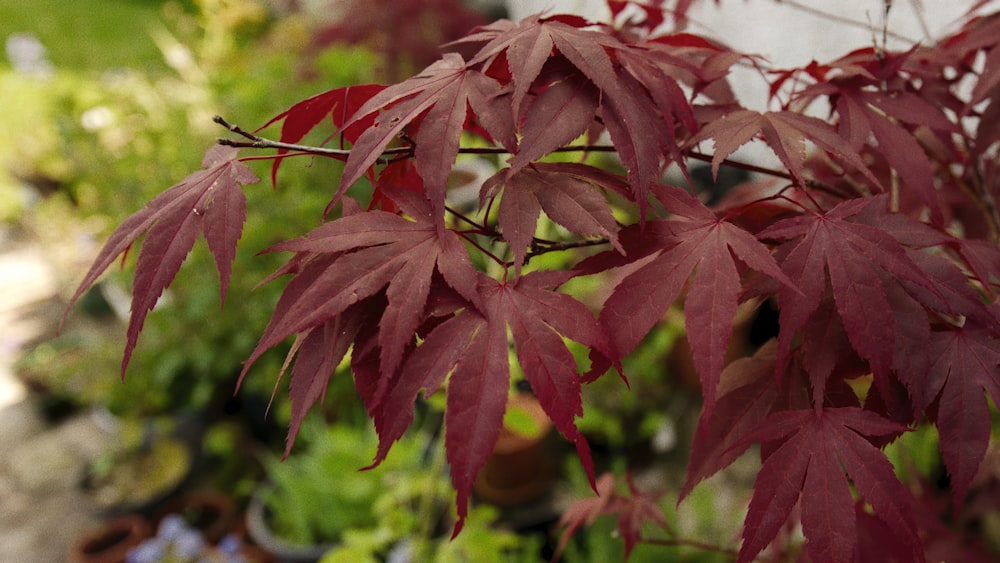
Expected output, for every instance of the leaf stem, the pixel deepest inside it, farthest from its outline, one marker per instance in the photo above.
(567, 245)
(492, 256)
(483, 229)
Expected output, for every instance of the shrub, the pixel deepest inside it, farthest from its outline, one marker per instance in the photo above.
(876, 238)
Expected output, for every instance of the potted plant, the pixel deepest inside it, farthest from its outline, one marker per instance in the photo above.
(177, 541)
(520, 469)
(310, 500)
(111, 541)
(150, 464)
(212, 513)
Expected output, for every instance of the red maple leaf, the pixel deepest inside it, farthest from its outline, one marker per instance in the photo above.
(209, 201)
(786, 133)
(810, 452)
(964, 362)
(625, 102)
(317, 352)
(471, 350)
(699, 246)
(339, 267)
(747, 395)
(857, 262)
(632, 510)
(357, 256)
(562, 111)
(890, 118)
(569, 200)
(338, 104)
(440, 98)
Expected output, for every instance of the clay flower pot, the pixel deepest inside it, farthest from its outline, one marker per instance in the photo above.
(210, 512)
(519, 470)
(112, 541)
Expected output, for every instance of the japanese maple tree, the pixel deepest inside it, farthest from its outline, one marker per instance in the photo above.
(877, 237)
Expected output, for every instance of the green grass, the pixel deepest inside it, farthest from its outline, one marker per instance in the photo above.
(88, 34)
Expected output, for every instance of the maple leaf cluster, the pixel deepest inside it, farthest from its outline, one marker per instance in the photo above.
(878, 240)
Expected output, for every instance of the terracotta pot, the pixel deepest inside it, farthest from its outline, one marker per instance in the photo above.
(112, 541)
(680, 361)
(210, 512)
(519, 470)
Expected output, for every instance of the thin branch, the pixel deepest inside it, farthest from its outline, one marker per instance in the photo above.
(741, 165)
(539, 249)
(677, 542)
(840, 19)
(257, 142)
(479, 247)
(482, 229)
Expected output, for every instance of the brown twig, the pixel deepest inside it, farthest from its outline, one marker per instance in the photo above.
(257, 142)
(677, 542)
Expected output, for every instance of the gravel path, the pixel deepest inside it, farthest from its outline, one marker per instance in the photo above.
(42, 512)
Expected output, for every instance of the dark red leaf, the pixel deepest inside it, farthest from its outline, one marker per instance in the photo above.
(855, 261)
(863, 113)
(748, 393)
(477, 399)
(567, 199)
(625, 103)
(319, 351)
(338, 105)
(632, 510)
(702, 245)
(964, 362)
(208, 201)
(558, 115)
(815, 451)
(586, 511)
(357, 256)
(471, 350)
(786, 133)
(441, 97)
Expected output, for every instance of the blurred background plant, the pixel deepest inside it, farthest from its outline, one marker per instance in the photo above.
(404, 507)
(98, 136)
(109, 104)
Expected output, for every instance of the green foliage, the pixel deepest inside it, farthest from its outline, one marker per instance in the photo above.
(480, 541)
(88, 34)
(109, 142)
(319, 492)
(150, 462)
(620, 415)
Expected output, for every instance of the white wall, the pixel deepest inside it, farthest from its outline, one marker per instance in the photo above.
(785, 34)
(593, 9)
(788, 35)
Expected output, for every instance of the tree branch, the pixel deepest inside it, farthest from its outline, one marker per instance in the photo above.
(257, 142)
(676, 542)
(538, 248)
